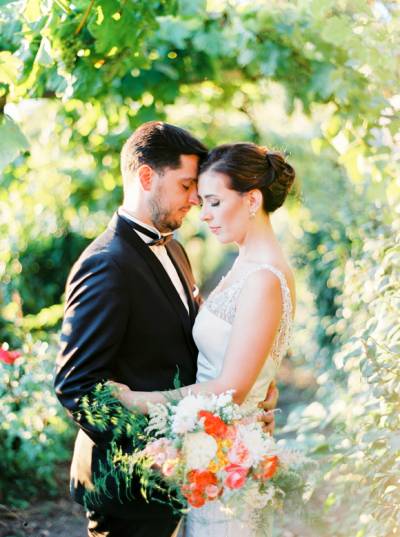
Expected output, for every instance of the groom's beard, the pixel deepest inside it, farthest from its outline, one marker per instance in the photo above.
(162, 218)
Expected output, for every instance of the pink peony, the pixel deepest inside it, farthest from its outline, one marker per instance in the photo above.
(236, 476)
(212, 492)
(160, 451)
(239, 454)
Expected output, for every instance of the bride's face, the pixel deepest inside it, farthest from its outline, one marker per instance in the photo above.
(226, 211)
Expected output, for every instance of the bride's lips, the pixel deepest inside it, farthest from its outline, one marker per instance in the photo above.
(214, 229)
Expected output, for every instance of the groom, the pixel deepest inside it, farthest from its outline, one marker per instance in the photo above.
(131, 301)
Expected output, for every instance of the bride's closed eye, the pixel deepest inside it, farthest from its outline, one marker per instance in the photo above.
(215, 203)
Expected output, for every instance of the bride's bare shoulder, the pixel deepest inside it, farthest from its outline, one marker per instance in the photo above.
(263, 281)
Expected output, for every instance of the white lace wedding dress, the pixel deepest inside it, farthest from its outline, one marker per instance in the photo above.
(211, 333)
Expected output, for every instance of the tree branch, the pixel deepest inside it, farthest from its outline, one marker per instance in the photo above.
(84, 18)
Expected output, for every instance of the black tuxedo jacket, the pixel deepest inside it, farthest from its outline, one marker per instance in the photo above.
(125, 321)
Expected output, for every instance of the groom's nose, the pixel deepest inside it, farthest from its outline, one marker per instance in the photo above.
(193, 196)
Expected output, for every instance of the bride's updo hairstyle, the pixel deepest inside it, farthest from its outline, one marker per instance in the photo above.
(250, 166)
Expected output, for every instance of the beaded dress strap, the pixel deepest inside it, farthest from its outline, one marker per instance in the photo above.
(223, 302)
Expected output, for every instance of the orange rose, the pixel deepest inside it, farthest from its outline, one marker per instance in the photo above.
(202, 478)
(213, 425)
(196, 499)
(202, 485)
(269, 466)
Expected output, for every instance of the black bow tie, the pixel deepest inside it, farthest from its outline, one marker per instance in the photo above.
(161, 241)
(157, 240)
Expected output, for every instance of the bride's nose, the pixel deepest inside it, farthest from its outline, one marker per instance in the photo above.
(205, 214)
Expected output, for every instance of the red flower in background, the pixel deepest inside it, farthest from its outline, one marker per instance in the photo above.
(8, 357)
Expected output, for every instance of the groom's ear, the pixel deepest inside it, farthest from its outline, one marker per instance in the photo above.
(145, 174)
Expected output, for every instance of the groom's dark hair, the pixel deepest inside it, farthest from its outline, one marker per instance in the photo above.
(159, 145)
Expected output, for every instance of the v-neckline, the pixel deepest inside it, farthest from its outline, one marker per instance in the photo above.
(217, 292)
(275, 270)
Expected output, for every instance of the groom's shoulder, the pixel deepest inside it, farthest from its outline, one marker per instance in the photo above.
(104, 251)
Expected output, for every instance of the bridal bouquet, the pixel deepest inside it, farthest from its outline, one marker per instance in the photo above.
(205, 448)
(212, 449)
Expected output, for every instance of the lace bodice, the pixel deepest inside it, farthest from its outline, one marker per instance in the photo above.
(223, 304)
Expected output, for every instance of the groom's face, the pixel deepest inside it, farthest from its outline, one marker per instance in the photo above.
(173, 193)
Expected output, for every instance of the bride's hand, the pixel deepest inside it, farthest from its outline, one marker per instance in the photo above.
(130, 399)
(118, 389)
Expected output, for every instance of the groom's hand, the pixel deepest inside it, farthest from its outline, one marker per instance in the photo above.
(269, 403)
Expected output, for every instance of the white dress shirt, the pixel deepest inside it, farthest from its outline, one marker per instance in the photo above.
(161, 253)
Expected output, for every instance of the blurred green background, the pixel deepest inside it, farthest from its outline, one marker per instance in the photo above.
(318, 79)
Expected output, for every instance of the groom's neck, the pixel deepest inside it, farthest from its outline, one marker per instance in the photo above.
(138, 212)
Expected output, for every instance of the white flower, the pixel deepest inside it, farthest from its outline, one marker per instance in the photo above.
(225, 398)
(258, 444)
(185, 417)
(200, 448)
(158, 418)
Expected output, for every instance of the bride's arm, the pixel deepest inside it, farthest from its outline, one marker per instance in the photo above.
(258, 314)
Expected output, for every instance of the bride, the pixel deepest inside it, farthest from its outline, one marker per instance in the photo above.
(242, 330)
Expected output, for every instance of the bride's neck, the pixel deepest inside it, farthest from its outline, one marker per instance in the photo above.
(259, 238)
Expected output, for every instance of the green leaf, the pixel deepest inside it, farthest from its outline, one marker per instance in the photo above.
(117, 27)
(12, 141)
(336, 31)
(173, 30)
(320, 8)
(321, 81)
(9, 67)
(210, 42)
(193, 8)
(43, 56)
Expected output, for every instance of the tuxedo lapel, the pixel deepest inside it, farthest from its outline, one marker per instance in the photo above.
(121, 227)
(185, 278)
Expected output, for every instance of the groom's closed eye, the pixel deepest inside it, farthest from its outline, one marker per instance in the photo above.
(188, 183)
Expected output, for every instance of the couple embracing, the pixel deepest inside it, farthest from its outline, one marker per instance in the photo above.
(134, 316)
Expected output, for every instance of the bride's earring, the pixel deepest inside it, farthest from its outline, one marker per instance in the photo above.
(254, 203)
(253, 211)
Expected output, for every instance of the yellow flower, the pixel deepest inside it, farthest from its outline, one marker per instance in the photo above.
(225, 444)
(213, 467)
